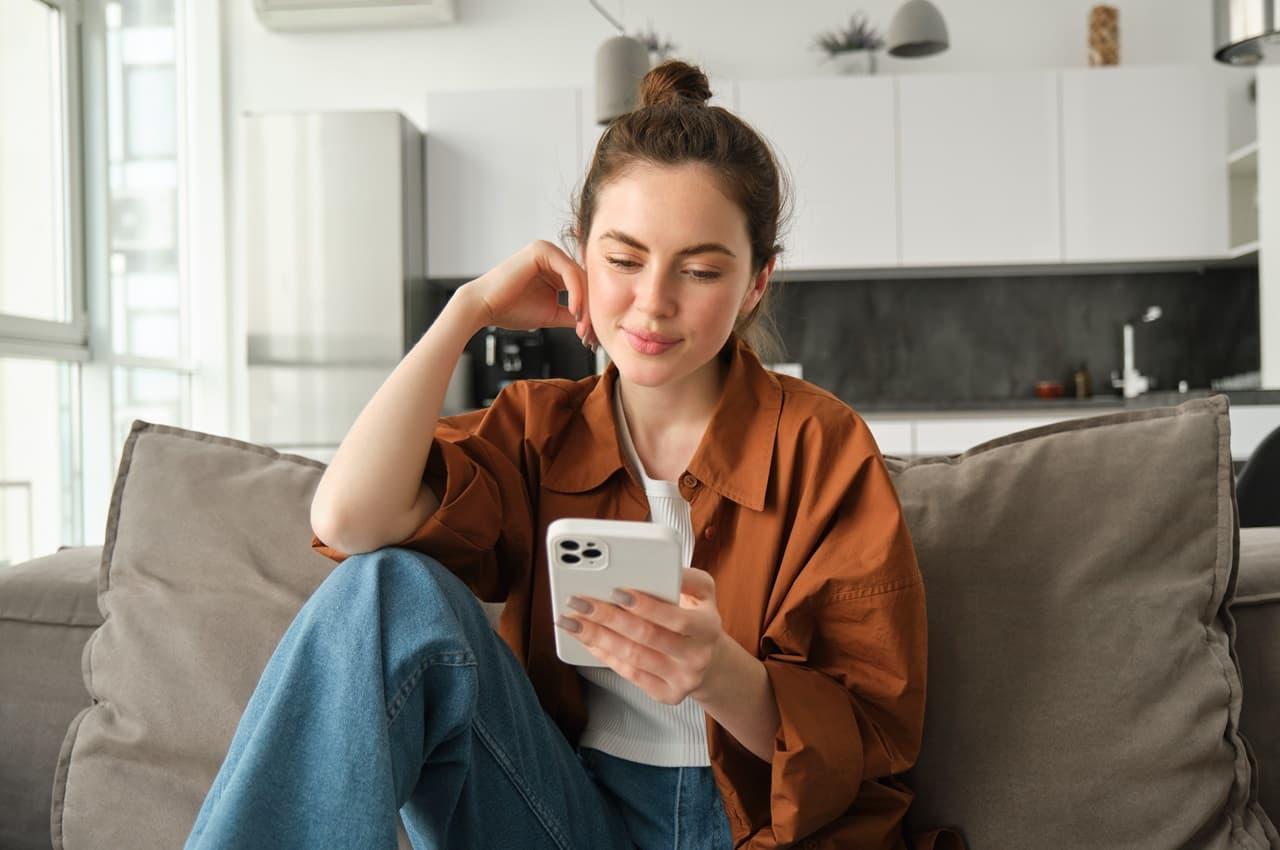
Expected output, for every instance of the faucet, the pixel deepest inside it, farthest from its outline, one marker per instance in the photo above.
(1133, 382)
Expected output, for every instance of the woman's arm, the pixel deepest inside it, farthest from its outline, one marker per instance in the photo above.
(739, 696)
(372, 493)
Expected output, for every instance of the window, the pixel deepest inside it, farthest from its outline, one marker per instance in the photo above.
(94, 328)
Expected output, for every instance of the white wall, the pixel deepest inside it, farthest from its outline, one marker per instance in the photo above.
(549, 43)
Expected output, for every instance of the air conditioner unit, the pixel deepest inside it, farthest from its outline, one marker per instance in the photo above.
(352, 14)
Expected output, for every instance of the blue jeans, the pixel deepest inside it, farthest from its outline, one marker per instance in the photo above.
(390, 692)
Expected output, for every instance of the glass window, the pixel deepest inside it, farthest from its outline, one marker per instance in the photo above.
(162, 396)
(34, 248)
(39, 457)
(147, 298)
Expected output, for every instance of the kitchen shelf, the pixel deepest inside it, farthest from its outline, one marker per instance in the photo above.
(1247, 250)
(1243, 161)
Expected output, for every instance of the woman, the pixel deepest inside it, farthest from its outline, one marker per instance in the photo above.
(774, 705)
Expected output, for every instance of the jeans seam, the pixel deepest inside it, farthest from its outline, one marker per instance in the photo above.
(499, 754)
(444, 659)
(675, 841)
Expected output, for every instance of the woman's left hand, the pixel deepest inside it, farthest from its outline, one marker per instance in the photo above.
(667, 650)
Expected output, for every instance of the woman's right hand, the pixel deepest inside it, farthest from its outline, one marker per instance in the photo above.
(522, 292)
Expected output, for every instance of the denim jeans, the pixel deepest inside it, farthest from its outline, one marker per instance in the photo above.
(391, 693)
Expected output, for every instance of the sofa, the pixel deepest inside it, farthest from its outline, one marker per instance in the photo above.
(1104, 639)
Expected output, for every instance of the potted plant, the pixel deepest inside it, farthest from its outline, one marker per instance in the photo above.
(852, 48)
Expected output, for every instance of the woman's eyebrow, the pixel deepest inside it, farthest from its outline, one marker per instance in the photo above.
(704, 248)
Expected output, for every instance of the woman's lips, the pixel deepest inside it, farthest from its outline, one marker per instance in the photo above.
(647, 346)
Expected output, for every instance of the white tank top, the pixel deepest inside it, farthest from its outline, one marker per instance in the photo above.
(622, 719)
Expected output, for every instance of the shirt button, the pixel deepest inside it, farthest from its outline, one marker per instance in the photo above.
(690, 481)
(709, 532)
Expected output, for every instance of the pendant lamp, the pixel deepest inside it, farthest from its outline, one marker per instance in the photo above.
(916, 29)
(621, 63)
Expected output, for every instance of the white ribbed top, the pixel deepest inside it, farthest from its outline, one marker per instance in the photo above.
(622, 719)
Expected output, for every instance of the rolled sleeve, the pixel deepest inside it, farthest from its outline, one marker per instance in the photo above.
(846, 655)
(483, 527)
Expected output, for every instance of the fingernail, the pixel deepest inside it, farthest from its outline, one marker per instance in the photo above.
(567, 624)
(623, 598)
(580, 605)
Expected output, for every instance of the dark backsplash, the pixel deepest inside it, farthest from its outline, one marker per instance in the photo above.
(978, 338)
(934, 339)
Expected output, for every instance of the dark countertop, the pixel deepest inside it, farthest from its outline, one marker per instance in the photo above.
(1159, 398)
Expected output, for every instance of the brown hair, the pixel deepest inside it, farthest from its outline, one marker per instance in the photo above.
(673, 126)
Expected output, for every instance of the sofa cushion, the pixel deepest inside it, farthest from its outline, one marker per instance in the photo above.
(1082, 687)
(48, 609)
(206, 560)
(1257, 614)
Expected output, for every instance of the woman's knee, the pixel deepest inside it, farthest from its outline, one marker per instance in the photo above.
(395, 575)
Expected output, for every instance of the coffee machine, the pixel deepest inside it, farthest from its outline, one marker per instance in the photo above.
(508, 356)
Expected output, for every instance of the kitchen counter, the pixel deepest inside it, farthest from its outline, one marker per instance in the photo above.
(1064, 406)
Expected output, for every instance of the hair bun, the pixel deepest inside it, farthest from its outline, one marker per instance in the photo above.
(673, 82)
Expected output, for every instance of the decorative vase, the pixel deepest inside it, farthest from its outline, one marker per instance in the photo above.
(1104, 35)
(856, 62)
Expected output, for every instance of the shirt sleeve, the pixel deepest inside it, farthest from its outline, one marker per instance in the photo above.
(846, 653)
(483, 528)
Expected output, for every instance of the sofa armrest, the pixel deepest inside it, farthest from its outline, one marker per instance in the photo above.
(48, 609)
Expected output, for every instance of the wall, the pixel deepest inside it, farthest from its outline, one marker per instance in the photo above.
(549, 43)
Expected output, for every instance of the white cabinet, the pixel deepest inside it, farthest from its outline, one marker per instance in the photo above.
(501, 166)
(979, 164)
(1142, 163)
(835, 138)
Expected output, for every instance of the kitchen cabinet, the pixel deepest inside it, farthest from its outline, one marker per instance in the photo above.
(1142, 163)
(501, 166)
(979, 168)
(835, 139)
(951, 432)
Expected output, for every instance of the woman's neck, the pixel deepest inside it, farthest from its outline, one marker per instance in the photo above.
(666, 423)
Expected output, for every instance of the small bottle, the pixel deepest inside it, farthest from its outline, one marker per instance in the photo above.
(1081, 377)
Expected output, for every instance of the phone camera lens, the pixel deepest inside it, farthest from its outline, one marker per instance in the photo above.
(591, 553)
(570, 559)
(569, 544)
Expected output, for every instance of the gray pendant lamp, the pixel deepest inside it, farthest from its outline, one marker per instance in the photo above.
(621, 63)
(916, 29)
(1246, 32)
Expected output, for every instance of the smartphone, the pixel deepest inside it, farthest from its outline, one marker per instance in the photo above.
(592, 557)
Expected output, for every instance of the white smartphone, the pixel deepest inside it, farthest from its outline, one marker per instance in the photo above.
(592, 557)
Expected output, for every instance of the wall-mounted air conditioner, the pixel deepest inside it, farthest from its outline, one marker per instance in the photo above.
(352, 14)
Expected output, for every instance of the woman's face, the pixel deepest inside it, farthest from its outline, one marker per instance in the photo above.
(642, 276)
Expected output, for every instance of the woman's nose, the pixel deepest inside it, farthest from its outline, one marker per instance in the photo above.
(653, 291)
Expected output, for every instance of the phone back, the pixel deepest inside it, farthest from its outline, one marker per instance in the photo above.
(592, 557)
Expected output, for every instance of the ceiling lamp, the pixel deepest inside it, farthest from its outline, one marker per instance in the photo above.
(621, 63)
(917, 29)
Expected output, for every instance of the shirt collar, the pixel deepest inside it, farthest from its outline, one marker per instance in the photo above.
(734, 457)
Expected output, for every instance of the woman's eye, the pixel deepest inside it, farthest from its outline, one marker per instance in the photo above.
(628, 264)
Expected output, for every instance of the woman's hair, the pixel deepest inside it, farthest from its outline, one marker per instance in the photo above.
(674, 126)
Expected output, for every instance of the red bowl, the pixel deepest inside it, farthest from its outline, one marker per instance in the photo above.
(1049, 389)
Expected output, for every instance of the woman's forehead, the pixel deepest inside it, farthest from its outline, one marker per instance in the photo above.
(669, 208)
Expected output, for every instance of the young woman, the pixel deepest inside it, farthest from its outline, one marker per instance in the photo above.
(773, 706)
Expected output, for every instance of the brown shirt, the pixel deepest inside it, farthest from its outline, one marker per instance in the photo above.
(795, 517)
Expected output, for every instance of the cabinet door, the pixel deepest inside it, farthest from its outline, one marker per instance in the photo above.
(500, 169)
(1143, 153)
(979, 168)
(835, 140)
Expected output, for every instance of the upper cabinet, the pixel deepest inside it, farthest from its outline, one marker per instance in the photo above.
(979, 168)
(835, 140)
(501, 166)
(1093, 165)
(1142, 163)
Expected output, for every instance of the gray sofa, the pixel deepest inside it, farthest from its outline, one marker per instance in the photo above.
(1047, 725)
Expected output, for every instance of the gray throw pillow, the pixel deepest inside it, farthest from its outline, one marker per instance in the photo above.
(1083, 690)
(1257, 614)
(206, 559)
